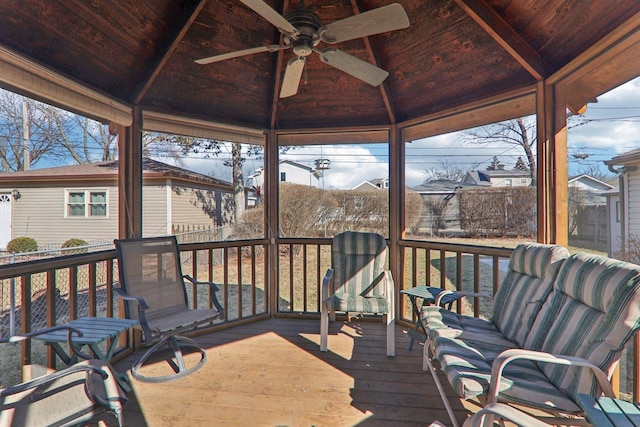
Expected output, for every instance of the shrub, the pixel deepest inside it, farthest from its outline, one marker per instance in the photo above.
(22, 244)
(72, 243)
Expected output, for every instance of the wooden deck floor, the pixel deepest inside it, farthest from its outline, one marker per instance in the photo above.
(271, 373)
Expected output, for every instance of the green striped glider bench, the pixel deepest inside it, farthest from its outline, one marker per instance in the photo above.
(558, 328)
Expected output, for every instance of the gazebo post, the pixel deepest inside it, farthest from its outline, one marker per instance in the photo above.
(271, 201)
(552, 172)
(396, 205)
(130, 177)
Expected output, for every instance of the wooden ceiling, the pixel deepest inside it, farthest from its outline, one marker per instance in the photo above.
(455, 53)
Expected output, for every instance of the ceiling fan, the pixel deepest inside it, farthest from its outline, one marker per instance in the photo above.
(303, 31)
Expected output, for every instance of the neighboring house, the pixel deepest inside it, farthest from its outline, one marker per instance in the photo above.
(374, 184)
(498, 178)
(440, 208)
(624, 207)
(614, 221)
(290, 171)
(55, 204)
(588, 208)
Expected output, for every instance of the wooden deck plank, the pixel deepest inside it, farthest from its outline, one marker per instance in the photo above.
(271, 373)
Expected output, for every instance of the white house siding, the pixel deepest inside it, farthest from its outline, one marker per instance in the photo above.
(515, 181)
(297, 175)
(198, 207)
(633, 202)
(613, 243)
(154, 210)
(40, 213)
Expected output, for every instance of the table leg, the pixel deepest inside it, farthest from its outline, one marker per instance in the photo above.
(414, 334)
(121, 378)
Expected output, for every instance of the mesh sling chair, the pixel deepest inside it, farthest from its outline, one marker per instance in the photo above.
(358, 282)
(153, 289)
(85, 391)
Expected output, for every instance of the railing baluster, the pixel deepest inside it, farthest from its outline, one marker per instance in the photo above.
(92, 290)
(318, 277)
(225, 281)
(25, 303)
(496, 273)
(305, 283)
(291, 290)
(73, 292)
(443, 268)
(253, 280)
(239, 276)
(476, 284)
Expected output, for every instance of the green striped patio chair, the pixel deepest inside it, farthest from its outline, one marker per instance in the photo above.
(357, 282)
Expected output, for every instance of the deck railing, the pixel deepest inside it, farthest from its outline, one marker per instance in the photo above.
(48, 292)
(52, 291)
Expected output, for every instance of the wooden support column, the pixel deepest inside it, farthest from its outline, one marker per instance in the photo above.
(396, 205)
(130, 178)
(553, 169)
(271, 210)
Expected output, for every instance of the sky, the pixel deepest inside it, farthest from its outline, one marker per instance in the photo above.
(609, 127)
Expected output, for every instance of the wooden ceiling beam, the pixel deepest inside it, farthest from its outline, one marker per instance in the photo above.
(277, 77)
(384, 92)
(173, 37)
(505, 35)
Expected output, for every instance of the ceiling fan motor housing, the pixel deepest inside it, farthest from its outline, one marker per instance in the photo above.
(307, 23)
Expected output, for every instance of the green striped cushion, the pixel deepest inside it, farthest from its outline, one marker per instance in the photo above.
(467, 360)
(358, 261)
(592, 313)
(528, 283)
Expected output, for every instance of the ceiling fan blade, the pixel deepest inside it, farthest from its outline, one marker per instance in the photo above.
(375, 21)
(292, 76)
(239, 53)
(353, 66)
(267, 12)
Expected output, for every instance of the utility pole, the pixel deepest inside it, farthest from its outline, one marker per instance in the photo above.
(26, 125)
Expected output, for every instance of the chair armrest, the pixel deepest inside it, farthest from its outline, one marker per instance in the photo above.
(510, 355)
(212, 295)
(142, 317)
(22, 337)
(70, 332)
(390, 292)
(111, 386)
(46, 379)
(461, 294)
(326, 285)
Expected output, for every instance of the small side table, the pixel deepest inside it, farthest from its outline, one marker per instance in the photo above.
(95, 330)
(608, 412)
(428, 296)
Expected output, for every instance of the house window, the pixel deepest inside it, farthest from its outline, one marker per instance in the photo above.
(86, 203)
(618, 216)
(386, 184)
(523, 181)
(507, 182)
(283, 176)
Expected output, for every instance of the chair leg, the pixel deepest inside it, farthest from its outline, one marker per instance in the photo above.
(391, 334)
(324, 328)
(177, 344)
(428, 365)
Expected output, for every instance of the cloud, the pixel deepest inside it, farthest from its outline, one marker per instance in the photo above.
(610, 127)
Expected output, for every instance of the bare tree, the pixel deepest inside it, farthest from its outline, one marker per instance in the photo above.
(37, 143)
(520, 132)
(448, 169)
